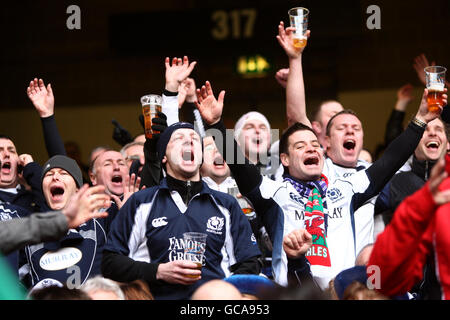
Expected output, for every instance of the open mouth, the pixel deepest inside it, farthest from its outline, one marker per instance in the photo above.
(117, 179)
(257, 140)
(349, 144)
(57, 193)
(219, 162)
(432, 145)
(6, 167)
(187, 155)
(311, 161)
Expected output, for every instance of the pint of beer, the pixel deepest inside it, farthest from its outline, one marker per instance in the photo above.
(194, 248)
(151, 105)
(435, 78)
(434, 98)
(299, 20)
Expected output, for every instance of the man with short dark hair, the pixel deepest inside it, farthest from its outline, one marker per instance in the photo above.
(304, 198)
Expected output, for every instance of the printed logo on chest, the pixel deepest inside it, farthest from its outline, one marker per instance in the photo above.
(215, 225)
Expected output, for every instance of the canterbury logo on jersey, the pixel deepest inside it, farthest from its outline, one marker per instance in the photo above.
(159, 222)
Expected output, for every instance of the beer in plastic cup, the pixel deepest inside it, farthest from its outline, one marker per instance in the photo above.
(435, 79)
(151, 105)
(194, 248)
(299, 20)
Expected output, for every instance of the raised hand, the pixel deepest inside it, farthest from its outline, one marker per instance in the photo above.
(210, 108)
(282, 76)
(177, 72)
(285, 38)
(423, 113)
(404, 97)
(25, 159)
(420, 63)
(85, 204)
(297, 243)
(186, 92)
(41, 97)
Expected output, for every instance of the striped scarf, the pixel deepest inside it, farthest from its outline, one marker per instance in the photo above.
(316, 214)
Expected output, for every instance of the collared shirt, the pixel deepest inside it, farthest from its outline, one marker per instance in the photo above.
(150, 228)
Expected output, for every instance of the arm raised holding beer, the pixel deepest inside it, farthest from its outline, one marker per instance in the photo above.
(295, 88)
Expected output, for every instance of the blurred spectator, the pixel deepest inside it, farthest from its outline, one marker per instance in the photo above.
(99, 288)
(136, 290)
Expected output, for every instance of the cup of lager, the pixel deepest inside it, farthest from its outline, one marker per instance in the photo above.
(194, 248)
(299, 20)
(151, 105)
(435, 78)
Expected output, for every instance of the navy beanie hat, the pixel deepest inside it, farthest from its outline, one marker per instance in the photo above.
(65, 163)
(250, 283)
(347, 276)
(164, 138)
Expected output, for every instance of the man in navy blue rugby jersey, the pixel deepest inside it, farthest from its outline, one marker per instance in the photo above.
(146, 238)
(77, 256)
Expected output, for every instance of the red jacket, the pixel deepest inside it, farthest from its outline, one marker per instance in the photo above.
(401, 250)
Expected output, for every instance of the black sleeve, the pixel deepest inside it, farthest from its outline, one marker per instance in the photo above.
(394, 157)
(187, 112)
(250, 266)
(53, 141)
(151, 172)
(299, 273)
(445, 115)
(124, 269)
(246, 174)
(403, 185)
(32, 174)
(394, 126)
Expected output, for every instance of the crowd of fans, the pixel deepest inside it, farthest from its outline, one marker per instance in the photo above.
(307, 217)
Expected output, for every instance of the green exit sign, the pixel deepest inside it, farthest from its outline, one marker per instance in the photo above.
(254, 66)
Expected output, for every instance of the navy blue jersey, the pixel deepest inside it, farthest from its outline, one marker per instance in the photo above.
(150, 228)
(71, 260)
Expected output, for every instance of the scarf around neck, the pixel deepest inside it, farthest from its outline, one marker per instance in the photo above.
(316, 213)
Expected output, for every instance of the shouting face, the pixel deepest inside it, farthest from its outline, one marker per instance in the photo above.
(9, 164)
(184, 155)
(58, 186)
(433, 143)
(110, 170)
(214, 166)
(345, 140)
(254, 138)
(304, 158)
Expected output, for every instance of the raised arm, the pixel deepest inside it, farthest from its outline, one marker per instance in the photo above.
(44, 102)
(175, 74)
(151, 173)
(295, 89)
(394, 126)
(398, 151)
(246, 174)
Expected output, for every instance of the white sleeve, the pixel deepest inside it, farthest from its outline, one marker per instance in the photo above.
(170, 108)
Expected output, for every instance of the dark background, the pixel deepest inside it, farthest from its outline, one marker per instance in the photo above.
(118, 55)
